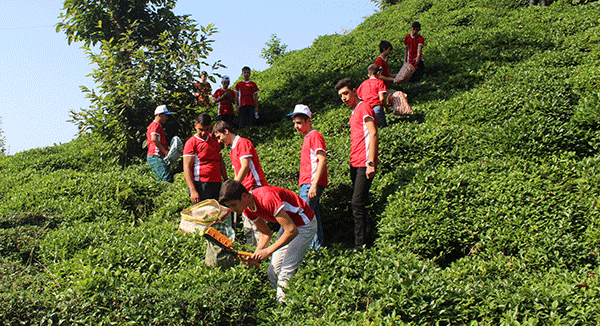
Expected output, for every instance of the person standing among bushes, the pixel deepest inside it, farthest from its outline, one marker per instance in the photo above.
(157, 145)
(385, 48)
(226, 99)
(413, 51)
(203, 165)
(247, 103)
(246, 165)
(281, 206)
(372, 91)
(202, 90)
(313, 165)
(364, 148)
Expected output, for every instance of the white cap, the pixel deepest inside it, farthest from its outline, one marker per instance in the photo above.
(225, 78)
(300, 108)
(161, 109)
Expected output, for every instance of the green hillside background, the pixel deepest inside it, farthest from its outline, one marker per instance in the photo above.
(486, 201)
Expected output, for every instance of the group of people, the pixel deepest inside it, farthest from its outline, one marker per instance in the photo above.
(248, 192)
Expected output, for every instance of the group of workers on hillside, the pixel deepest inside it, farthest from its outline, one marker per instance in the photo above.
(248, 192)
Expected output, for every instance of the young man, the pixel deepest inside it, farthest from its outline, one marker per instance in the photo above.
(313, 165)
(157, 145)
(247, 105)
(203, 165)
(372, 91)
(202, 90)
(246, 165)
(413, 50)
(226, 99)
(277, 205)
(364, 149)
(385, 48)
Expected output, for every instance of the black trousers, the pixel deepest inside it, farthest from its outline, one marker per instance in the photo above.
(363, 226)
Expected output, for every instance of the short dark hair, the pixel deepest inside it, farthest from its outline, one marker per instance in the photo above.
(346, 82)
(372, 69)
(416, 25)
(301, 116)
(221, 126)
(204, 119)
(384, 45)
(231, 190)
(246, 68)
(203, 73)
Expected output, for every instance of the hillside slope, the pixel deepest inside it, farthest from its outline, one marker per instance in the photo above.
(486, 202)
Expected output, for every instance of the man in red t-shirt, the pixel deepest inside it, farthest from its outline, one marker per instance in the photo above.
(276, 205)
(157, 145)
(385, 48)
(413, 50)
(372, 91)
(247, 105)
(202, 90)
(203, 165)
(313, 165)
(226, 99)
(364, 148)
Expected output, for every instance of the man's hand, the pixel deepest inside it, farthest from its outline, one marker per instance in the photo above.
(370, 172)
(194, 196)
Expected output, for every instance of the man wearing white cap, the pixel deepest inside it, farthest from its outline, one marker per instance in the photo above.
(157, 145)
(313, 166)
(226, 99)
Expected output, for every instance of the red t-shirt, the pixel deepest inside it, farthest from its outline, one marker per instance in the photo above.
(243, 148)
(270, 200)
(156, 129)
(312, 144)
(385, 70)
(226, 104)
(246, 91)
(359, 135)
(413, 46)
(369, 91)
(204, 90)
(207, 158)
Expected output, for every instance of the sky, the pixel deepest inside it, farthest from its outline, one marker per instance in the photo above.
(41, 75)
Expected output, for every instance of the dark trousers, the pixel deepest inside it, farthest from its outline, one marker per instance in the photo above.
(246, 116)
(207, 190)
(418, 74)
(360, 196)
(229, 118)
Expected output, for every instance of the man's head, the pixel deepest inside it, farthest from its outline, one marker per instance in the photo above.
(385, 46)
(301, 117)
(203, 76)
(223, 131)
(161, 114)
(235, 196)
(373, 70)
(202, 125)
(225, 82)
(415, 28)
(246, 73)
(347, 92)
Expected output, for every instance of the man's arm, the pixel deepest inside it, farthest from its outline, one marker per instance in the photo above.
(321, 166)
(373, 145)
(290, 231)
(188, 172)
(419, 53)
(244, 169)
(255, 95)
(223, 169)
(158, 144)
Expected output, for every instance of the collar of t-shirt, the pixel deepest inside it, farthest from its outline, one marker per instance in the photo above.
(235, 140)
(205, 140)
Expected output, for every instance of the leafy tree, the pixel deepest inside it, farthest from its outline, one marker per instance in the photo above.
(385, 3)
(145, 56)
(2, 141)
(274, 49)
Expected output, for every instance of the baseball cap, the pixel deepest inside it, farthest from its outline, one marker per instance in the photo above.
(225, 78)
(300, 108)
(161, 109)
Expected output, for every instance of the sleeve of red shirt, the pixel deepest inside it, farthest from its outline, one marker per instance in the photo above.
(188, 148)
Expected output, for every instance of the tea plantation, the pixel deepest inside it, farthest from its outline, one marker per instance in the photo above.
(487, 201)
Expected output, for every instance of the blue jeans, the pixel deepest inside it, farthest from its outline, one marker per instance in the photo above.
(380, 113)
(160, 168)
(315, 206)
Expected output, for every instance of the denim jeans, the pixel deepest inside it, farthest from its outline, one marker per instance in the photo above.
(315, 206)
(380, 113)
(160, 168)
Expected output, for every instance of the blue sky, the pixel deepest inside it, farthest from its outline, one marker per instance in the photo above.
(41, 75)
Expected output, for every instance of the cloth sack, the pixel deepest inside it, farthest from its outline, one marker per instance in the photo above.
(396, 100)
(175, 150)
(405, 72)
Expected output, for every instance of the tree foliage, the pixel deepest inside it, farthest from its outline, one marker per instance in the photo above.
(382, 4)
(145, 56)
(2, 140)
(274, 49)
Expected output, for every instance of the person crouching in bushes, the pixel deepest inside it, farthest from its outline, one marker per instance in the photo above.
(297, 221)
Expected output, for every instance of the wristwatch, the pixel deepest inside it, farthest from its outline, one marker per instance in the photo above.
(371, 163)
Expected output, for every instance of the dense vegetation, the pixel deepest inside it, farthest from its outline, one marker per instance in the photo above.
(486, 202)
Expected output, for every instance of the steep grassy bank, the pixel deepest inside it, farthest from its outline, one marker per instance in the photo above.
(487, 203)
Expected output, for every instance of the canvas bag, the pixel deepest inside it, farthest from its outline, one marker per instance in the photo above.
(396, 100)
(405, 73)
